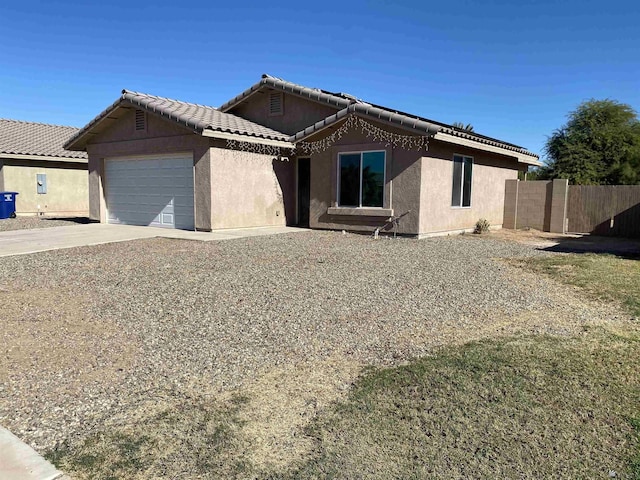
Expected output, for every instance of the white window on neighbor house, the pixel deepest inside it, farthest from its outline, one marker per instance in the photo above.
(361, 177)
(462, 180)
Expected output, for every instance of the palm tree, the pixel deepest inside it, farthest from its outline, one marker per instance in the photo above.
(468, 127)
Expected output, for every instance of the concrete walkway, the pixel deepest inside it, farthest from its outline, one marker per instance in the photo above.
(18, 461)
(21, 242)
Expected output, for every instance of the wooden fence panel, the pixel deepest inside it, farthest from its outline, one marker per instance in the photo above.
(604, 210)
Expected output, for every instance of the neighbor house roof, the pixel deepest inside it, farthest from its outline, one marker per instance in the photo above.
(202, 119)
(348, 104)
(29, 140)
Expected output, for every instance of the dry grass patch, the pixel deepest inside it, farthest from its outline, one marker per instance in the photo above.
(602, 276)
(528, 407)
(186, 438)
(522, 407)
(283, 402)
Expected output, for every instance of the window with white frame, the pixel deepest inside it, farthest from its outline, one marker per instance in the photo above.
(462, 176)
(361, 179)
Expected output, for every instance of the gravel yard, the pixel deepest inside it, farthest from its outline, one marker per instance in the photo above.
(103, 335)
(26, 223)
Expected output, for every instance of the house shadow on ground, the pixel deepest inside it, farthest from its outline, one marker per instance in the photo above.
(80, 220)
(621, 247)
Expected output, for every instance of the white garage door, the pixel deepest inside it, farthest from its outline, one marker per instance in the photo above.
(155, 191)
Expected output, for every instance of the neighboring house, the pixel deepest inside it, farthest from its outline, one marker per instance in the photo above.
(49, 179)
(284, 154)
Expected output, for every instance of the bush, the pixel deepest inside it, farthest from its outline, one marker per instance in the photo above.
(482, 226)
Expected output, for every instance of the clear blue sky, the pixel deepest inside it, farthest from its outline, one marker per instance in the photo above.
(512, 68)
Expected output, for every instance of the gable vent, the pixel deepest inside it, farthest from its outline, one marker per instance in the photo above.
(141, 120)
(276, 101)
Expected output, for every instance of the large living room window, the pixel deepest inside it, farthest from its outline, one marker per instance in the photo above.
(462, 174)
(361, 179)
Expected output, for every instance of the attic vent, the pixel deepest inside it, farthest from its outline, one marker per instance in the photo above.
(276, 103)
(141, 120)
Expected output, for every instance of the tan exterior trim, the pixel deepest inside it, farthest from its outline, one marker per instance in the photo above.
(460, 231)
(244, 138)
(14, 156)
(445, 137)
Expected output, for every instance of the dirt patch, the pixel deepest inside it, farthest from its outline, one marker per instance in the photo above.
(49, 331)
(283, 401)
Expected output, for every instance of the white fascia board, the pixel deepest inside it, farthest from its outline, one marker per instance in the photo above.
(246, 138)
(528, 159)
(13, 156)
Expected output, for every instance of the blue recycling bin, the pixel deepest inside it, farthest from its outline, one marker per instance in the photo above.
(8, 204)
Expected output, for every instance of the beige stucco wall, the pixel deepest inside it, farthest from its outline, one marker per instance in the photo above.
(250, 189)
(298, 114)
(401, 194)
(490, 171)
(161, 137)
(418, 182)
(67, 187)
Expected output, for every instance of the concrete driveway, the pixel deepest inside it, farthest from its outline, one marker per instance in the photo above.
(21, 242)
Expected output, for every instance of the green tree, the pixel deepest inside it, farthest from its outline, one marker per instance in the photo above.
(600, 144)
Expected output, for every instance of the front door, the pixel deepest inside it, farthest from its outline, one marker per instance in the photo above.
(304, 191)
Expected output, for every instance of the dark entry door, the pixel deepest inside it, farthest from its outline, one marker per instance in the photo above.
(304, 191)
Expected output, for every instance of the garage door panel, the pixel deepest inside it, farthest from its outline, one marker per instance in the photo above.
(150, 191)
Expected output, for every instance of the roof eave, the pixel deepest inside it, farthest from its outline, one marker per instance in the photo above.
(79, 141)
(207, 132)
(47, 158)
(522, 157)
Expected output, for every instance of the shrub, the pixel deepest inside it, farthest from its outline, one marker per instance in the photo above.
(482, 226)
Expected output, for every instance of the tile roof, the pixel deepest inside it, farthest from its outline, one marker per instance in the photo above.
(350, 104)
(321, 96)
(30, 138)
(199, 118)
(421, 127)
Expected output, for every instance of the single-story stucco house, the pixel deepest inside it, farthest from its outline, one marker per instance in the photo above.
(49, 179)
(284, 154)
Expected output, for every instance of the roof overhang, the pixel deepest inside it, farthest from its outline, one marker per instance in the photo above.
(46, 158)
(99, 124)
(247, 139)
(520, 157)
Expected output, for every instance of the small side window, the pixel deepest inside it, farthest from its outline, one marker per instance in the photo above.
(41, 183)
(462, 181)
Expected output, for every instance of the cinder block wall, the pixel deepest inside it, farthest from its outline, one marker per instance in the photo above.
(540, 204)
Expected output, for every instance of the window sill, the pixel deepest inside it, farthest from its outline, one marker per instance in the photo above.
(361, 211)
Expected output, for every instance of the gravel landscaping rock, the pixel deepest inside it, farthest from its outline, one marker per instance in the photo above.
(94, 334)
(26, 223)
